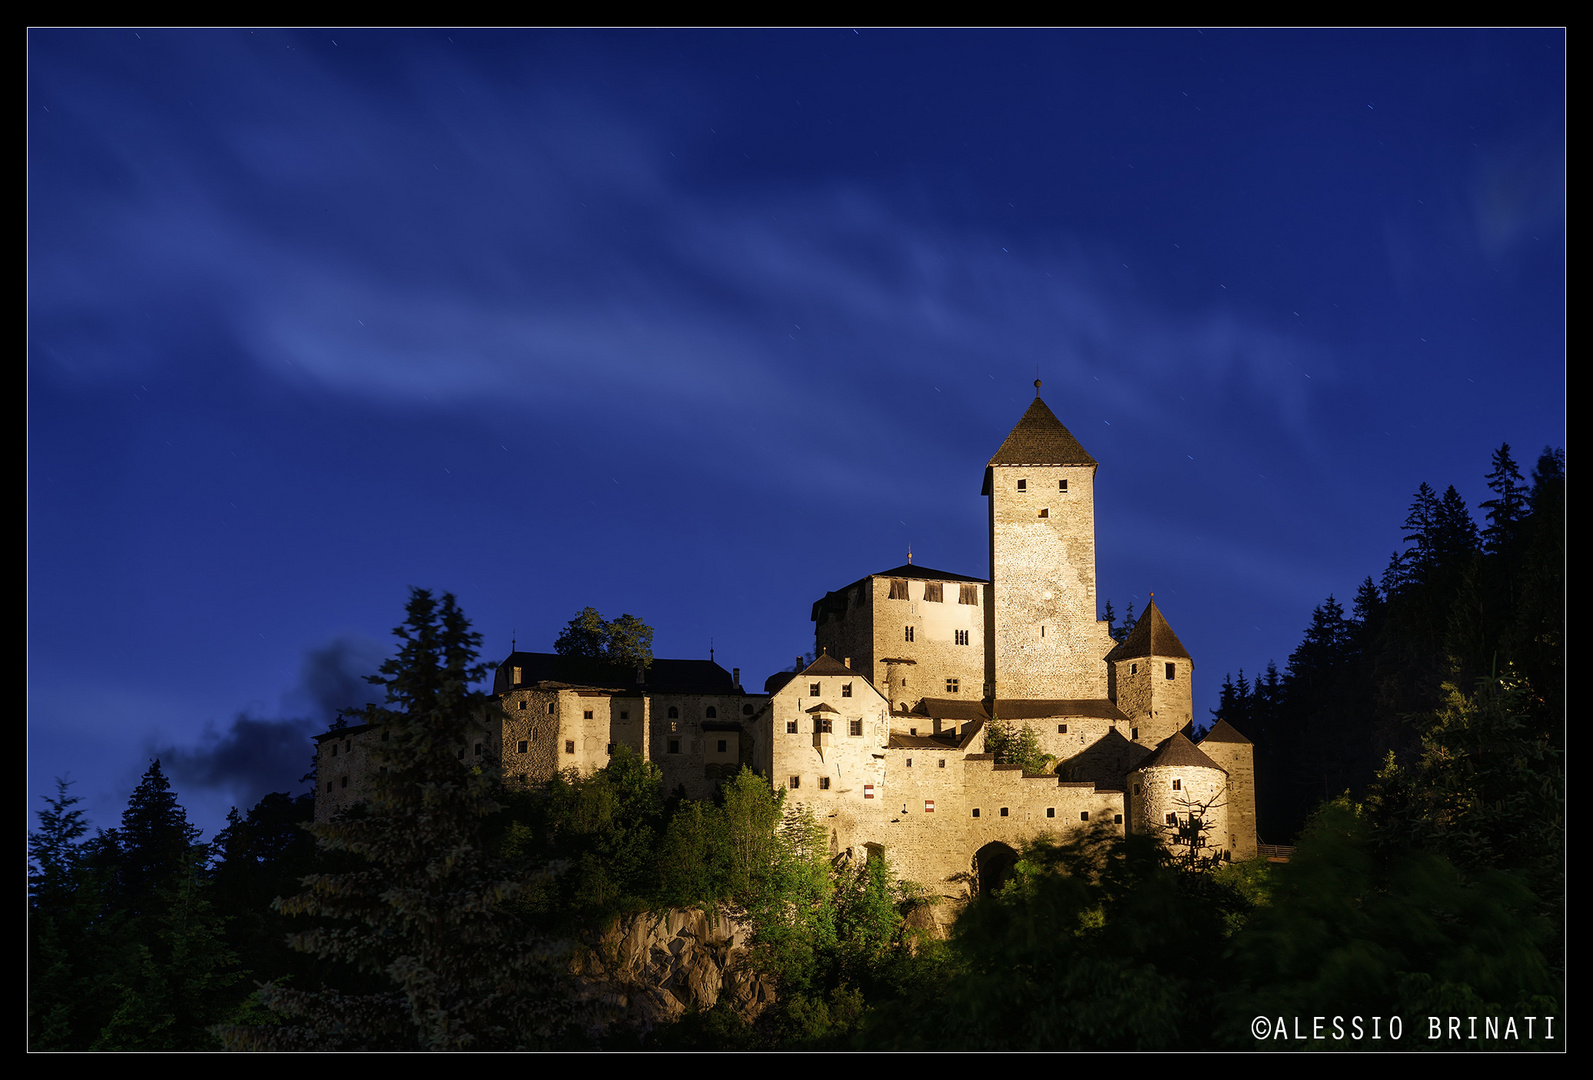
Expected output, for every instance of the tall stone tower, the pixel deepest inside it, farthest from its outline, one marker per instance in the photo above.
(1042, 638)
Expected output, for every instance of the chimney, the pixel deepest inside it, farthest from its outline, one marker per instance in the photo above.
(799, 664)
(641, 675)
(735, 677)
(847, 661)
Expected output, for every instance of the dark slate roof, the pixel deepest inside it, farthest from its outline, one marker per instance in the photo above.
(827, 665)
(664, 677)
(951, 709)
(1040, 439)
(342, 733)
(944, 741)
(776, 682)
(1224, 732)
(1177, 750)
(1151, 636)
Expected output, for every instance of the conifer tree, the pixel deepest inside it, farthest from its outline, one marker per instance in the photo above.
(1509, 504)
(428, 908)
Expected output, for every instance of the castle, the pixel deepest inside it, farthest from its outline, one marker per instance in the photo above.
(883, 736)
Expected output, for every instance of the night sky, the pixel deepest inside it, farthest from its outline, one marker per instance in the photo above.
(699, 325)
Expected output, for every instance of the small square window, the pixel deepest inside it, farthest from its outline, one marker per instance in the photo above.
(951, 686)
(711, 713)
(1084, 815)
(942, 763)
(1023, 485)
(827, 726)
(909, 630)
(343, 782)
(569, 746)
(790, 727)
(1172, 671)
(813, 689)
(587, 714)
(824, 783)
(1050, 811)
(609, 749)
(1178, 785)
(1172, 819)
(674, 746)
(522, 706)
(976, 812)
(795, 782)
(854, 727)
(1117, 819)
(1003, 811)
(524, 746)
(1061, 729)
(746, 710)
(1045, 512)
(846, 689)
(625, 714)
(909, 763)
(722, 744)
(912, 731)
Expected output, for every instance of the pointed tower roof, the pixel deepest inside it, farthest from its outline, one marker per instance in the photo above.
(1224, 732)
(1151, 636)
(1176, 750)
(1040, 439)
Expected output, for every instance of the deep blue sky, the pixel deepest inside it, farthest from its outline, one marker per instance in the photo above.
(699, 325)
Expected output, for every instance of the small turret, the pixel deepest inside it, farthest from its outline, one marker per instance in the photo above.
(1151, 678)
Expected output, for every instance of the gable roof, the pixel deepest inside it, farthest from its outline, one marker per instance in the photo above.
(827, 665)
(1040, 439)
(1151, 636)
(664, 676)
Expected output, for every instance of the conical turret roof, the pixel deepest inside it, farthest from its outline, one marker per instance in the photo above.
(1176, 750)
(1040, 439)
(1151, 636)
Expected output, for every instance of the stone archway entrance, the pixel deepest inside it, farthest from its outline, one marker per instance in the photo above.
(992, 865)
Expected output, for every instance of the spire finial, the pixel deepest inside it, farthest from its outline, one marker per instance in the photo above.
(1037, 388)
(909, 554)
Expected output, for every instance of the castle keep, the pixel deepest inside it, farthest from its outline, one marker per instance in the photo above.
(884, 734)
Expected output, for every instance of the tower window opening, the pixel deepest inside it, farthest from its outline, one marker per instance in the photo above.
(1061, 485)
(1023, 485)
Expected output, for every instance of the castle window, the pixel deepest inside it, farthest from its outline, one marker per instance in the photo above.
(1117, 819)
(1136, 789)
(813, 689)
(674, 712)
(1023, 485)
(898, 589)
(746, 710)
(854, 727)
(951, 686)
(976, 811)
(329, 787)
(625, 714)
(461, 753)
(909, 633)
(909, 763)
(1061, 729)
(1061, 485)
(517, 676)
(674, 726)
(674, 746)
(969, 595)
(795, 782)
(824, 726)
(942, 763)
(846, 689)
(525, 745)
(522, 706)
(722, 744)
(1172, 819)
(712, 713)
(1133, 669)
(934, 592)
(824, 783)
(569, 746)
(478, 749)
(1171, 671)
(912, 731)
(1042, 631)
(791, 727)
(1178, 785)
(334, 749)
(962, 637)
(1003, 811)
(587, 714)
(1045, 511)
(1050, 811)
(1084, 815)
(343, 782)
(1133, 733)
(609, 749)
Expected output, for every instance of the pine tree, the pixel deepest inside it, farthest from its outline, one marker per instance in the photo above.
(154, 841)
(1509, 504)
(429, 907)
